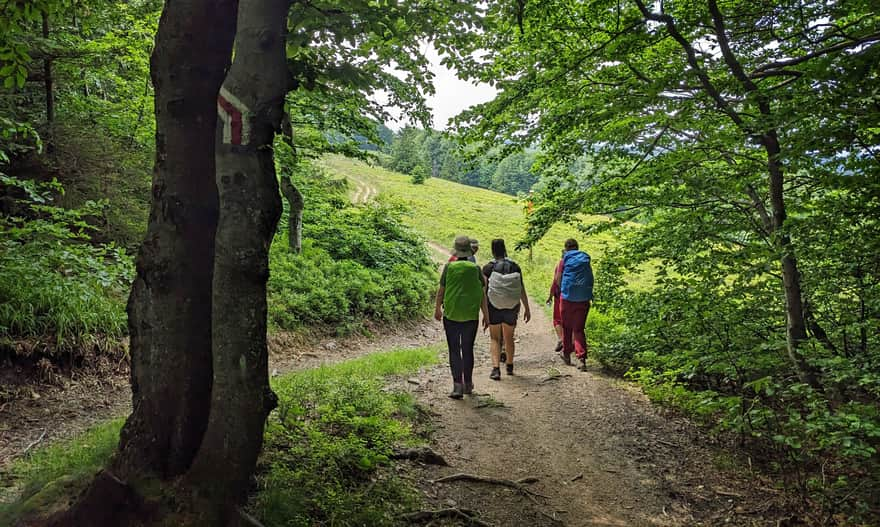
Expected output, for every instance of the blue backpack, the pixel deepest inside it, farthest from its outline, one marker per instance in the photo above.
(577, 277)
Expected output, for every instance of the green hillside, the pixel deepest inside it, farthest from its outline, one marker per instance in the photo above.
(442, 210)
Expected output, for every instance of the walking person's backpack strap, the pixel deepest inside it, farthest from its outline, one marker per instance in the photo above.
(505, 287)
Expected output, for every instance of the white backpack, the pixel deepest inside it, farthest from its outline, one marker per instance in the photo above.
(505, 287)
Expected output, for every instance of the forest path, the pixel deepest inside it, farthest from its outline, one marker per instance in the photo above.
(602, 453)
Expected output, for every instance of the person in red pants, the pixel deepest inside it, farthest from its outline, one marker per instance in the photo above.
(575, 281)
(557, 306)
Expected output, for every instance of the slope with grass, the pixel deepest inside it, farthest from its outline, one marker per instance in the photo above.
(441, 210)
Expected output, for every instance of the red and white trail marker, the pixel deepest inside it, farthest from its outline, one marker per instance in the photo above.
(234, 116)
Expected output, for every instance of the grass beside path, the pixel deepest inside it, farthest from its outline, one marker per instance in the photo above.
(325, 455)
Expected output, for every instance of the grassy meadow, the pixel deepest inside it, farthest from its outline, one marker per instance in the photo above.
(441, 210)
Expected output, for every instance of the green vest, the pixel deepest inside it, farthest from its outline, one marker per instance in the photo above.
(464, 291)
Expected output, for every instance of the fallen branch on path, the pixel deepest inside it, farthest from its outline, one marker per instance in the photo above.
(464, 514)
(554, 377)
(728, 493)
(490, 402)
(35, 442)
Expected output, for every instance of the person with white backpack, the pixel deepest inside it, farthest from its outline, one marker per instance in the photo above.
(505, 294)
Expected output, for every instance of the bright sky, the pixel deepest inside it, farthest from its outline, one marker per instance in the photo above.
(453, 94)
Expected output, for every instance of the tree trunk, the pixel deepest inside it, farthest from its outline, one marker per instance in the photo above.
(251, 104)
(169, 310)
(47, 76)
(297, 204)
(796, 329)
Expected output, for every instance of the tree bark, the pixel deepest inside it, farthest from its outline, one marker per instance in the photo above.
(47, 76)
(250, 206)
(297, 204)
(169, 309)
(796, 328)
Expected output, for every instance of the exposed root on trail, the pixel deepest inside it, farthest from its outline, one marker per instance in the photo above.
(462, 514)
(516, 485)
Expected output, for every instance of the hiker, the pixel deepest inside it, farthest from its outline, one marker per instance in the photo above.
(505, 294)
(557, 305)
(475, 246)
(460, 299)
(575, 282)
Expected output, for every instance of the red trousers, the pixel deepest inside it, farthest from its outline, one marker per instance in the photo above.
(574, 319)
(557, 311)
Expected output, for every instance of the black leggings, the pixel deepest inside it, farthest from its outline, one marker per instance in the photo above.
(460, 337)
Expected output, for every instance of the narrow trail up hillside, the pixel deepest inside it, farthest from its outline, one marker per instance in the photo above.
(601, 452)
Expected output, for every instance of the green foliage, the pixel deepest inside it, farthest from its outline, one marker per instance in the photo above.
(329, 442)
(53, 282)
(741, 137)
(50, 470)
(358, 262)
(325, 453)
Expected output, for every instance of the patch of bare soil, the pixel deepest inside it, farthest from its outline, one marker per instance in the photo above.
(40, 408)
(586, 449)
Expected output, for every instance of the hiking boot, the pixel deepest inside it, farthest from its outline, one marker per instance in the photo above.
(468, 388)
(583, 365)
(457, 390)
(566, 358)
(510, 369)
(496, 374)
(558, 346)
(503, 357)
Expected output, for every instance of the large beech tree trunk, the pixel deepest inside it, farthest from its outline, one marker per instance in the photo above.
(250, 206)
(169, 310)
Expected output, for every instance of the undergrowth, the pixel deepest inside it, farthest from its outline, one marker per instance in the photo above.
(325, 458)
(54, 283)
(327, 447)
(358, 262)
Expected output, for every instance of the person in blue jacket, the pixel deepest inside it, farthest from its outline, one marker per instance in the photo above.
(575, 282)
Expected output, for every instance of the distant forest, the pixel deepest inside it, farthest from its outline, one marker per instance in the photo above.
(429, 153)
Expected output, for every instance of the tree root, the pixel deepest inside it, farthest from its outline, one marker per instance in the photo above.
(516, 485)
(463, 514)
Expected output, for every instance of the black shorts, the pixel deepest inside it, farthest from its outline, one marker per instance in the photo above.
(507, 316)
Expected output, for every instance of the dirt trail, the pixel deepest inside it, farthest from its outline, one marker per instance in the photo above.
(363, 191)
(603, 455)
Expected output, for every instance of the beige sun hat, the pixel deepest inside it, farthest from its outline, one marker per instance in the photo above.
(462, 247)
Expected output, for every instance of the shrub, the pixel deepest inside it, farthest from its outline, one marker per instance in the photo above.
(53, 281)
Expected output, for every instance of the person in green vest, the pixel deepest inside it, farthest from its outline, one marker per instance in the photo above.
(460, 299)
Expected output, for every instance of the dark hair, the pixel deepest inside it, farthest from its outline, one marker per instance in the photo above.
(498, 249)
(571, 244)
